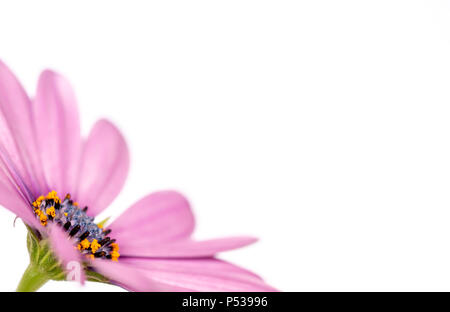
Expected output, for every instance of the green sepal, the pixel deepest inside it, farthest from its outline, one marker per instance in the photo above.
(44, 266)
(42, 257)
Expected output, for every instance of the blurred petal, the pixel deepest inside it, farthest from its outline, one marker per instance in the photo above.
(181, 249)
(189, 275)
(64, 249)
(17, 131)
(104, 167)
(58, 131)
(155, 219)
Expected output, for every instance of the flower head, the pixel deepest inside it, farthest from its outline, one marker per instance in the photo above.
(57, 183)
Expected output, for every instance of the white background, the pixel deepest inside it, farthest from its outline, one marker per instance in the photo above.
(322, 127)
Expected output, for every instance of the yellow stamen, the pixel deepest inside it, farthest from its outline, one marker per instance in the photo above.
(115, 246)
(115, 256)
(38, 201)
(48, 211)
(95, 246)
(85, 244)
(51, 212)
(53, 195)
(43, 219)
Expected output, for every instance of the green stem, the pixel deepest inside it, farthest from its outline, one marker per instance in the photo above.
(32, 279)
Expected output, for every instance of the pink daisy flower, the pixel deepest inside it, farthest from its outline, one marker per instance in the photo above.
(57, 182)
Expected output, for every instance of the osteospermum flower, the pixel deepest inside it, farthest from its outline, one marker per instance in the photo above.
(57, 182)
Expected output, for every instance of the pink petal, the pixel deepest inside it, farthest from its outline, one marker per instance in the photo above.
(181, 249)
(104, 167)
(11, 163)
(14, 194)
(12, 199)
(58, 131)
(159, 225)
(158, 218)
(64, 249)
(189, 275)
(17, 131)
(10, 175)
(123, 275)
(205, 266)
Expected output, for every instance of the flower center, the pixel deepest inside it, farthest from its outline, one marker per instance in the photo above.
(93, 240)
